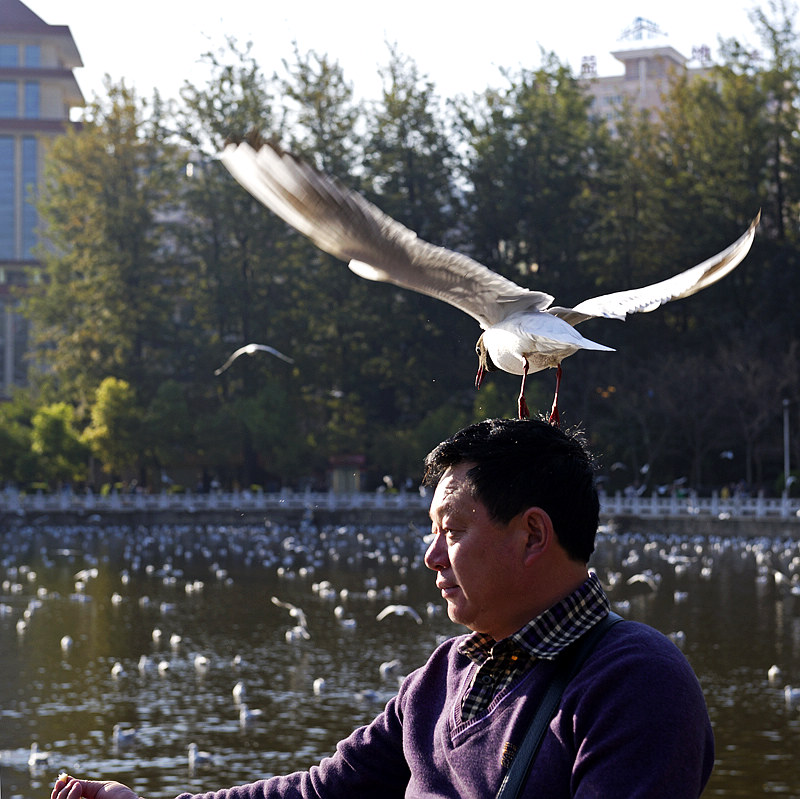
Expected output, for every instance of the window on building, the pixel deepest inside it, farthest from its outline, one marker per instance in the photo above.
(33, 55)
(8, 99)
(32, 93)
(9, 55)
(7, 225)
(30, 218)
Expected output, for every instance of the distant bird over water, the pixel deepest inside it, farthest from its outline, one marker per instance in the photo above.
(251, 349)
(399, 610)
(522, 332)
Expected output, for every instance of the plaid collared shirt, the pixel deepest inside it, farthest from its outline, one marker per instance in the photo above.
(500, 663)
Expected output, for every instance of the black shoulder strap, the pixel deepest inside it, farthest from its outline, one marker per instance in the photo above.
(569, 665)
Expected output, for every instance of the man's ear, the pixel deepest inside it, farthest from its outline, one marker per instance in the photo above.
(540, 535)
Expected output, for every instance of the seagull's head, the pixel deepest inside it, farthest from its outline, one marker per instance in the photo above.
(485, 363)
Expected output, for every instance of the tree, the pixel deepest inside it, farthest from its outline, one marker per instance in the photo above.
(168, 428)
(414, 347)
(530, 163)
(740, 371)
(779, 83)
(105, 305)
(323, 118)
(236, 272)
(57, 443)
(18, 463)
(114, 433)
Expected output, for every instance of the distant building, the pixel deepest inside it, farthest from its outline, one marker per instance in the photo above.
(37, 91)
(648, 70)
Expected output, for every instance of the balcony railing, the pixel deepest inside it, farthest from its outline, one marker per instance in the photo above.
(654, 506)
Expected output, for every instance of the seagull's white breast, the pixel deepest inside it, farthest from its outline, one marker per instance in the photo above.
(540, 338)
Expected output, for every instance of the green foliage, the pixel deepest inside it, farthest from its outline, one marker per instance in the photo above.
(56, 441)
(159, 265)
(530, 158)
(106, 304)
(114, 433)
(167, 425)
(18, 462)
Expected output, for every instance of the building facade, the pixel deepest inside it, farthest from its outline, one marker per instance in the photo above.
(648, 69)
(643, 83)
(37, 91)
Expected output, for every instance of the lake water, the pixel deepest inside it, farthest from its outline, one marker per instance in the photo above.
(213, 586)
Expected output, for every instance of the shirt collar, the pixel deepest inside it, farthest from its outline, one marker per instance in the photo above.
(550, 632)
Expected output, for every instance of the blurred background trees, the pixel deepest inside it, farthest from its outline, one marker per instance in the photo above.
(160, 265)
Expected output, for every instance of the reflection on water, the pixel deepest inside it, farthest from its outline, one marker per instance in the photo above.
(732, 605)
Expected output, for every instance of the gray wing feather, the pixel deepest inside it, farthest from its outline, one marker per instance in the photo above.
(377, 247)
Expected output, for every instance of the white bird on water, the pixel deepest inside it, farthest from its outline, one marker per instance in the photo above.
(198, 758)
(251, 349)
(248, 715)
(522, 331)
(37, 759)
(123, 736)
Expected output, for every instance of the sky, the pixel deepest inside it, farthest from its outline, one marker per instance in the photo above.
(460, 47)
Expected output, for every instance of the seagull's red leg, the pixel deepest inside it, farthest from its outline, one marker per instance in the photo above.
(524, 413)
(554, 417)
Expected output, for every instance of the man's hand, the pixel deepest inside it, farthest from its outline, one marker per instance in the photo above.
(70, 788)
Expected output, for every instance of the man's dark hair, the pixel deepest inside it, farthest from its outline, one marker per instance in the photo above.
(524, 463)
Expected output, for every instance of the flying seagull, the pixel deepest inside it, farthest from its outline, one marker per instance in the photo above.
(251, 349)
(399, 610)
(522, 331)
(296, 613)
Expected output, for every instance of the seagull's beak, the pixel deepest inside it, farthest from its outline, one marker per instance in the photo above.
(484, 362)
(481, 374)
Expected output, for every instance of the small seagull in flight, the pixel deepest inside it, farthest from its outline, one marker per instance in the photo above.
(251, 349)
(296, 613)
(399, 610)
(522, 331)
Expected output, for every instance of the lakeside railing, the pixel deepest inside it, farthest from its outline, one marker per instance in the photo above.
(654, 506)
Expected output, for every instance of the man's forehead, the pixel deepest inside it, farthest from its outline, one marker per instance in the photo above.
(453, 483)
(454, 478)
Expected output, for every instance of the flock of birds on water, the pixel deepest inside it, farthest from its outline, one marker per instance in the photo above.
(631, 567)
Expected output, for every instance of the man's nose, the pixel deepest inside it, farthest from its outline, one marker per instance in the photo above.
(436, 554)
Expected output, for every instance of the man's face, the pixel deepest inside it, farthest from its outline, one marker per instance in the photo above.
(478, 561)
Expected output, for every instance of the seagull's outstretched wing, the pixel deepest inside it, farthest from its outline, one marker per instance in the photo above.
(249, 349)
(344, 224)
(621, 303)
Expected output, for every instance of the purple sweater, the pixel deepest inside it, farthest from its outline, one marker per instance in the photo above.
(633, 723)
